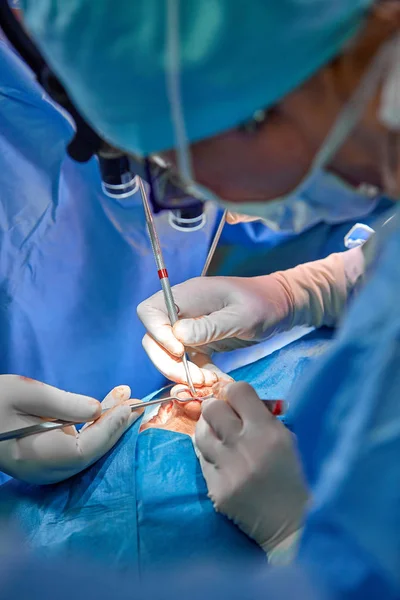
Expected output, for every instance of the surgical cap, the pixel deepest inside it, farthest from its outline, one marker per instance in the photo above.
(234, 57)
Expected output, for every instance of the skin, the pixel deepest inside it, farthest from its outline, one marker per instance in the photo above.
(177, 416)
(258, 166)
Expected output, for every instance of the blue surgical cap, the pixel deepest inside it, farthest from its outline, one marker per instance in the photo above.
(235, 57)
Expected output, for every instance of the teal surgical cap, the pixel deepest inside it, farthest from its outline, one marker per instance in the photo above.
(234, 57)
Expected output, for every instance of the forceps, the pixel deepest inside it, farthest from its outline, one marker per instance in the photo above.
(17, 434)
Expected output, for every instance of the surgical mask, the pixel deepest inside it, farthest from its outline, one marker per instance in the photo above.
(323, 198)
(320, 198)
(287, 212)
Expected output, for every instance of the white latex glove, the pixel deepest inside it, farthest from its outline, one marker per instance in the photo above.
(56, 455)
(250, 464)
(225, 313)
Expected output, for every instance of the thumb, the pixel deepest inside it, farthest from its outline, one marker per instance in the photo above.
(216, 326)
(103, 434)
(59, 454)
(41, 400)
(117, 395)
(120, 396)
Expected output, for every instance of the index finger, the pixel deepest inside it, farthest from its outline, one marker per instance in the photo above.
(153, 314)
(245, 401)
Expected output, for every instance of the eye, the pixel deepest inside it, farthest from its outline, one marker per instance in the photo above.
(255, 123)
(259, 119)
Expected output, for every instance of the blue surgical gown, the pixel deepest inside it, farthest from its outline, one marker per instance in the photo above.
(74, 263)
(347, 417)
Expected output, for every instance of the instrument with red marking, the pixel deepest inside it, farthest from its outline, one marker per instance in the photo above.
(163, 275)
(23, 432)
(279, 409)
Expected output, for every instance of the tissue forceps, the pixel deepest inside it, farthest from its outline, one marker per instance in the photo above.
(22, 432)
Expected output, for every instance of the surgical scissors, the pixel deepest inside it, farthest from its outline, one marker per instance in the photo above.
(22, 432)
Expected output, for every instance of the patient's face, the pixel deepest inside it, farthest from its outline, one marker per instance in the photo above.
(178, 416)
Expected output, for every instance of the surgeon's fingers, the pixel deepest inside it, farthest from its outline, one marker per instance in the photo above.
(243, 399)
(116, 396)
(172, 367)
(222, 420)
(41, 400)
(200, 302)
(101, 436)
(203, 361)
(57, 455)
(215, 479)
(206, 442)
(153, 314)
(216, 325)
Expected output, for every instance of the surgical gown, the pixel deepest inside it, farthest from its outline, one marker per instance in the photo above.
(347, 417)
(74, 263)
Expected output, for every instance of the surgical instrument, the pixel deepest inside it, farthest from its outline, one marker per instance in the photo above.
(163, 275)
(52, 425)
(213, 247)
(214, 244)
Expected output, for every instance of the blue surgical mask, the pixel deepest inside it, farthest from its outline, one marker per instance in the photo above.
(323, 198)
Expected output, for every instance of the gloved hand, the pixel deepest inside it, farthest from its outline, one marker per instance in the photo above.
(56, 455)
(237, 312)
(225, 313)
(249, 462)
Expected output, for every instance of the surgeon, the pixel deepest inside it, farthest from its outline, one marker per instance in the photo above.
(64, 313)
(245, 123)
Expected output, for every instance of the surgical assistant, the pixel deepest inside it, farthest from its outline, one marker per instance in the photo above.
(319, 86)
